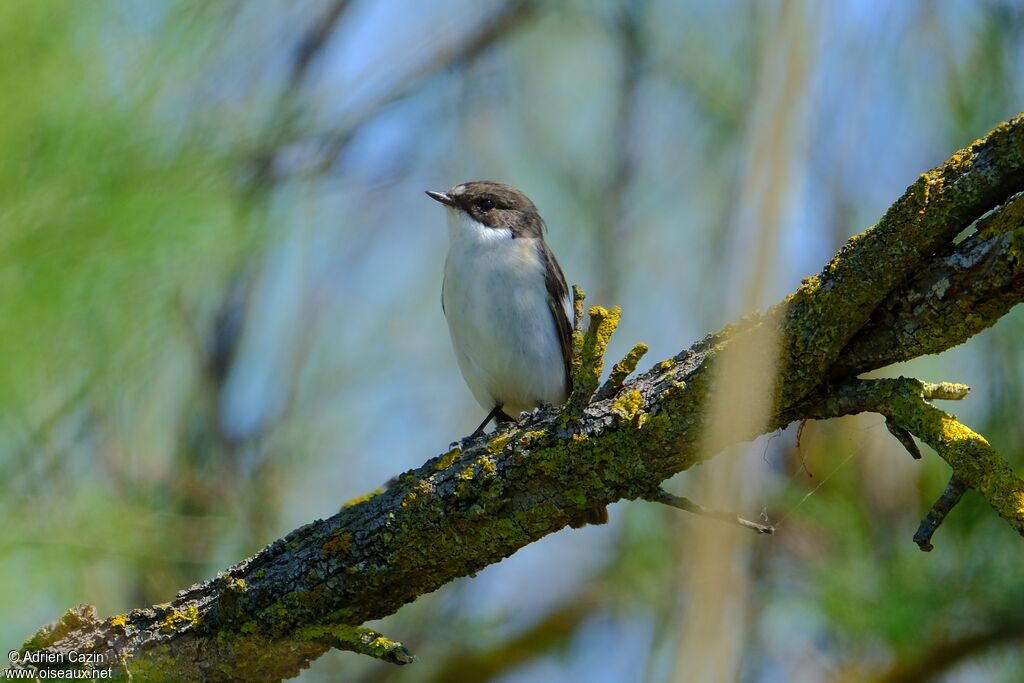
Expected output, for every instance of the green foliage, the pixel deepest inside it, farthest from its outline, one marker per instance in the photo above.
(120, 224)
(111, 220)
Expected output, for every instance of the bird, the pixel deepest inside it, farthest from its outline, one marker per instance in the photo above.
(505, 299)
(506, 302)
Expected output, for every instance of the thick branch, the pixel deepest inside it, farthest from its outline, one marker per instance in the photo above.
(266, 617)
(830, 308)
(952, 298)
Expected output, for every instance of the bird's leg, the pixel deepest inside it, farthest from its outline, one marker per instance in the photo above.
(495, 412)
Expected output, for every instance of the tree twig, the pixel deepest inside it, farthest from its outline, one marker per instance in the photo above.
(945, 653)
(907, 403)
(937, 514)
(665, 498)
(623, 369)
(510, 16)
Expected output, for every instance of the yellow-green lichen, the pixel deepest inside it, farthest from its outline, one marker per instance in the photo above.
(119, 621)
(362, 499)
(357, 639)
(312, 598)
(487, 466)
(157, 664)
(465, 483)
(630, 406)
(588, 359)
(178, 619)
(279, 610)
(448, 459)
(533, 439)
(624, 368)
(609, 320)
(419, 495)
(236, 585)
(974, 461)
(497, 445)
(341, 542)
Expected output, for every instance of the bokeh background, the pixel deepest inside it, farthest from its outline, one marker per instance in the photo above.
(220, 317)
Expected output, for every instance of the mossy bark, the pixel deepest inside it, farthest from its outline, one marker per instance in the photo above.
(268, 616)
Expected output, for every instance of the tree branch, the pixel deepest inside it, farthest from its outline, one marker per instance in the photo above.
(829, 309)
(905, 401)
(949, 300)
(268, 616)
(944, 654)
(946, 502)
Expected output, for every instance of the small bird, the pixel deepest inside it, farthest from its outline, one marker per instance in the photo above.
(505, 299)
(506, 302)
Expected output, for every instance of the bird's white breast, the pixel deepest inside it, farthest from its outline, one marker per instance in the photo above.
(496, 303)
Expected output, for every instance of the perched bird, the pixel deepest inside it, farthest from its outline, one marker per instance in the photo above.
(505, 299)
(506, 302)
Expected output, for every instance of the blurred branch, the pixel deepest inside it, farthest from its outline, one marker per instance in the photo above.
(945, 654)
(328, 147)
(286, 111)
(268, 616)
(313, 43)
(557, 626)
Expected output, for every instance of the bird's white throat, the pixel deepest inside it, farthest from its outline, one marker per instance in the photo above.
(464, 230)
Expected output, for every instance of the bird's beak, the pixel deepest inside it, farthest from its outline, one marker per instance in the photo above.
(441, 197)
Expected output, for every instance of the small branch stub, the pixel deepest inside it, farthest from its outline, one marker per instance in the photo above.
(904, 437)
(946, 391)
(665, 498)
(578, 297)
(363, 641)
(940, 508)
(588, 357)
(623, 369)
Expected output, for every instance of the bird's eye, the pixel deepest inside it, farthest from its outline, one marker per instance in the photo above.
(485, 204)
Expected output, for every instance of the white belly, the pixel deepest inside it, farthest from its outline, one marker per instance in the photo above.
(504, 337)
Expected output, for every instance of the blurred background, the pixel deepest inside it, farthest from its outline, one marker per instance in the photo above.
(220, 316)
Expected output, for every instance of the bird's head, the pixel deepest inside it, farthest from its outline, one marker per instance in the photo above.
(486, 210)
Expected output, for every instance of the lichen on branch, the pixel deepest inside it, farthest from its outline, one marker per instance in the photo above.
(588, 356)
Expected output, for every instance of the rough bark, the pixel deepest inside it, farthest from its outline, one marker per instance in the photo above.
(900, 289)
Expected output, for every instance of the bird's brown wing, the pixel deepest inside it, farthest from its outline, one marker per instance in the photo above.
(558, 300)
